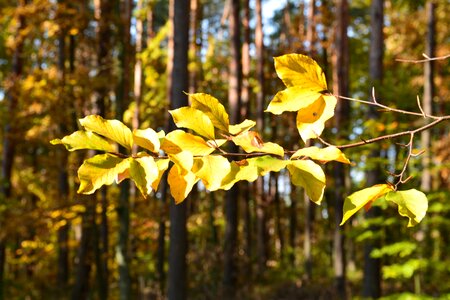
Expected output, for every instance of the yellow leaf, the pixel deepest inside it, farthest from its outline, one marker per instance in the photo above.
(311, 119)
(241, 127)
(84, 140)
(211, 170)
(184, 160)
(309, 175)
(143, 171)
(250, 141)
(322, 154)
(412, 204)
(112, 129)
(178, 140)
(292, 99)
(180, 183)
(194, 119)
(102, 169)
(357, 200)
(162, 165)
(266, 164)
(240, 170)
(147, 139)
(212, 108)
(300, 70)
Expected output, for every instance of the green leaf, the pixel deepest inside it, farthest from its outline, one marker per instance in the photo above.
(102, 169)
(311, 119)
(212, 108)
(178, 140)
(292, 99)
(84, 140)
(241, 127)
(211, 170)
(250, 141)
(300, 70)
(143, 171)
(309, 175)
(111, 129)
(323, 155)
(194, 119)
(412, 204)
(268, 164)
(147, 139)
(361, 198)
(181, 183)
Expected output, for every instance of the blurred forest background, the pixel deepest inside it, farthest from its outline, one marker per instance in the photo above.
(127, 59)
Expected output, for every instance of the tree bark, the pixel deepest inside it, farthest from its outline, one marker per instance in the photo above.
(178, 72)
(340, 87)
(372, 266)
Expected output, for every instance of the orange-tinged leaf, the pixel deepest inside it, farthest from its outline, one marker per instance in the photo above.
(101, 169)
(300, 70)
(311, 120)
(111, 129)
(361, 198)
(292, 99)
(322, 154)
(412, 204)
(178, 140)
(147, 139)
(211, 107)
(84, 140)
(211, 170)
(250, 141)
(181, 183)
(143, 171)
(309, 175)
(194, 119)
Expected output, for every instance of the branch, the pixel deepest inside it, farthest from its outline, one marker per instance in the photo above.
(427, 59)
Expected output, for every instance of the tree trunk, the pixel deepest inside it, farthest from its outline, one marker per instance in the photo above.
(311, 29)
(9, 143)
(231, 198)
(307, 242)
(340, 87)
(245, 92)
(372, 266)
(178, 72)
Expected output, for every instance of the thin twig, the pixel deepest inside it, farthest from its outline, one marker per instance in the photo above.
(427, 59)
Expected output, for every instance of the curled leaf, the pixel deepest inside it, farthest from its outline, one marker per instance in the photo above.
(323, 155)
(412, 204)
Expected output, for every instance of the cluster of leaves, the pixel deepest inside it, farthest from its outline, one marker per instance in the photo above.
(200, 154)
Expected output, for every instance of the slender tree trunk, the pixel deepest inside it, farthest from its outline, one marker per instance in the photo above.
(293, 225)
(231, 198)
(340, 87)
(307, 242)
(178, 72)
(245, 92)
(372, 266)
(311, 29)
(9, 143)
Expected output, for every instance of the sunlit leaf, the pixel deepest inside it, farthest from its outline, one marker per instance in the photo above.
(268, 164)
(102, 169)
(300, 70)
(357, 200)
(178, 140)
(250, 141)
(212, 108)
(211, 170)
(183, 159)
(412, 204)
(311, 119)
(112, 129)
(240, 170)
(194, 119)
(181, 183)
(309, 175)
(147, 139)
(84, 140)
(322, 154)
(241, 127)
(292, 99)
(162, 165)
(144, 171)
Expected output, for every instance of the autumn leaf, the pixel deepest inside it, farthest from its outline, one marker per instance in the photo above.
(84, 140)
(162, 165)
(292, 99)
(211, 170)
(147, 139)
(102, 169)
(212, 108)
(323, 155)
(241, 127)
(194, 119)
(250, 141)
(310, 176)
(412, 204)
(111, 129)
(143, 171)
(181, 183)
(357, 200)
(178, 140)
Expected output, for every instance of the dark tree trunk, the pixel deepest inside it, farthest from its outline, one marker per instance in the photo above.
(178, 72)
(342, 115)
(372, 266)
